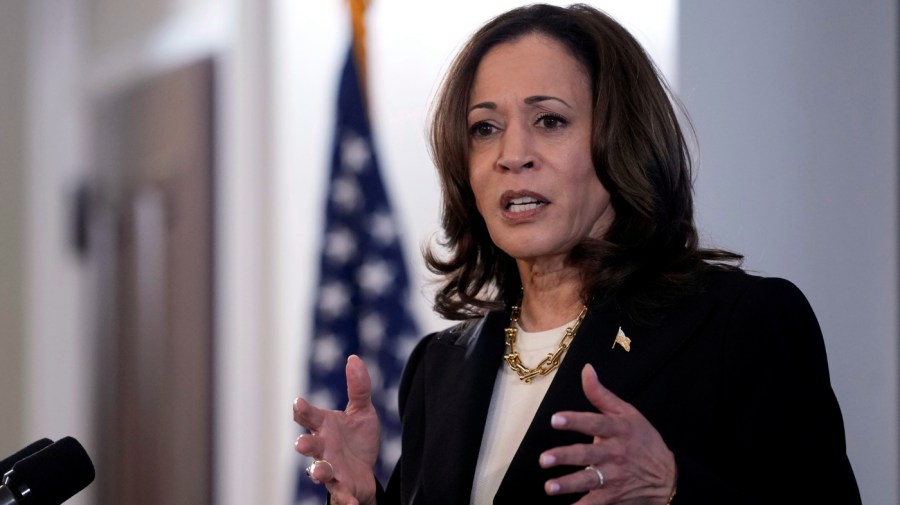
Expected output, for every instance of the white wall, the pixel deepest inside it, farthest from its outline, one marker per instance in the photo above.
(58, 309)
(795, 106)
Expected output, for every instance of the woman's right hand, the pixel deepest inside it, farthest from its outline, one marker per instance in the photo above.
(348, 440)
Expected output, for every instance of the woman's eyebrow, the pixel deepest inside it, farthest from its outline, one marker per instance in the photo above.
(483, 105)
(531, 100)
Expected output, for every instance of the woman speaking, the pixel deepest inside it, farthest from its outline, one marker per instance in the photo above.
(602, 356)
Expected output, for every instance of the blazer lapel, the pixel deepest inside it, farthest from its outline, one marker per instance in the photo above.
(623, 372)
(461, 382)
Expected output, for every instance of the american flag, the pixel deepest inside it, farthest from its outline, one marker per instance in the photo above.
(362, 300)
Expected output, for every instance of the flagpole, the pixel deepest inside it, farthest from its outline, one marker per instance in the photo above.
(358, 21)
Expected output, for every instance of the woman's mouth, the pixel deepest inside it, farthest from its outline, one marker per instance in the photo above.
(522, 204)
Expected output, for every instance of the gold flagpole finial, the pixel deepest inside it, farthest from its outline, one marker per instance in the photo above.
(358, 18)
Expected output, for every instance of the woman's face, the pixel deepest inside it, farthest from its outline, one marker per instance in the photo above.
(529, 124)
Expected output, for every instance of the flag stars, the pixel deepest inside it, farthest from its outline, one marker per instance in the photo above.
(355, 152)
(382, 228)
(340, 246)
(327, 352)
(375, 277)
(345, 194)
(334, 299)
(372, 329)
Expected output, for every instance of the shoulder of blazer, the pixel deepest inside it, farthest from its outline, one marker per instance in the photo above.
(723, 287)
(466, 335)
(461, 334)
(752, 292)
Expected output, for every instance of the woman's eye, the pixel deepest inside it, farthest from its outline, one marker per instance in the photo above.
(482, 129)
(551, 122)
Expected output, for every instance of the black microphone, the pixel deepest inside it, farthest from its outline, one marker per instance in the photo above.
(48, 477)
(7, 464)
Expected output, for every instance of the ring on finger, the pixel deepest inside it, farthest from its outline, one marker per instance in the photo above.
(312, 467)
(600, 479)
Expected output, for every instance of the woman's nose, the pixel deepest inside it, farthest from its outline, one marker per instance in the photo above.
(516, 150)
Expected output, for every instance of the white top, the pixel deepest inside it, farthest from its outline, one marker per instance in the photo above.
(513, 405)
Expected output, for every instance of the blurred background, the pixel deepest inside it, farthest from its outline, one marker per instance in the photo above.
(163, 175)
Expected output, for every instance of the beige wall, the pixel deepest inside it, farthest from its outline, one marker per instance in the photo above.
(113, 24)
(13, 37)
(79, 55)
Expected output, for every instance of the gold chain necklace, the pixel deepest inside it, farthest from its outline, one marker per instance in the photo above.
(551, 362)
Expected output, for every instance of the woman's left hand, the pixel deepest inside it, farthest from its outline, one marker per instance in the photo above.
(636, 465)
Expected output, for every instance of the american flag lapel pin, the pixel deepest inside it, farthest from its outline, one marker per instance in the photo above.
(622, 340)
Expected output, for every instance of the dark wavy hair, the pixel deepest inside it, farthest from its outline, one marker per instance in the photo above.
(650, 255)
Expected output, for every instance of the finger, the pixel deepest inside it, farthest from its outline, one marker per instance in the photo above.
(307, 415)
(310, 445)
(359, 385)
(605, 400)
(589, 423)
(578, 454)
(322, 471)
(579, 481)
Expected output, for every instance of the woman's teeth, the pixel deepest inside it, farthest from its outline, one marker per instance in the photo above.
(523, 204)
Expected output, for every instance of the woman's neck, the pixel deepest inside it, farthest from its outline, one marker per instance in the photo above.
(551, 295)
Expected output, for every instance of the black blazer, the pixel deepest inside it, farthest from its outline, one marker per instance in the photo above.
(735, 379)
